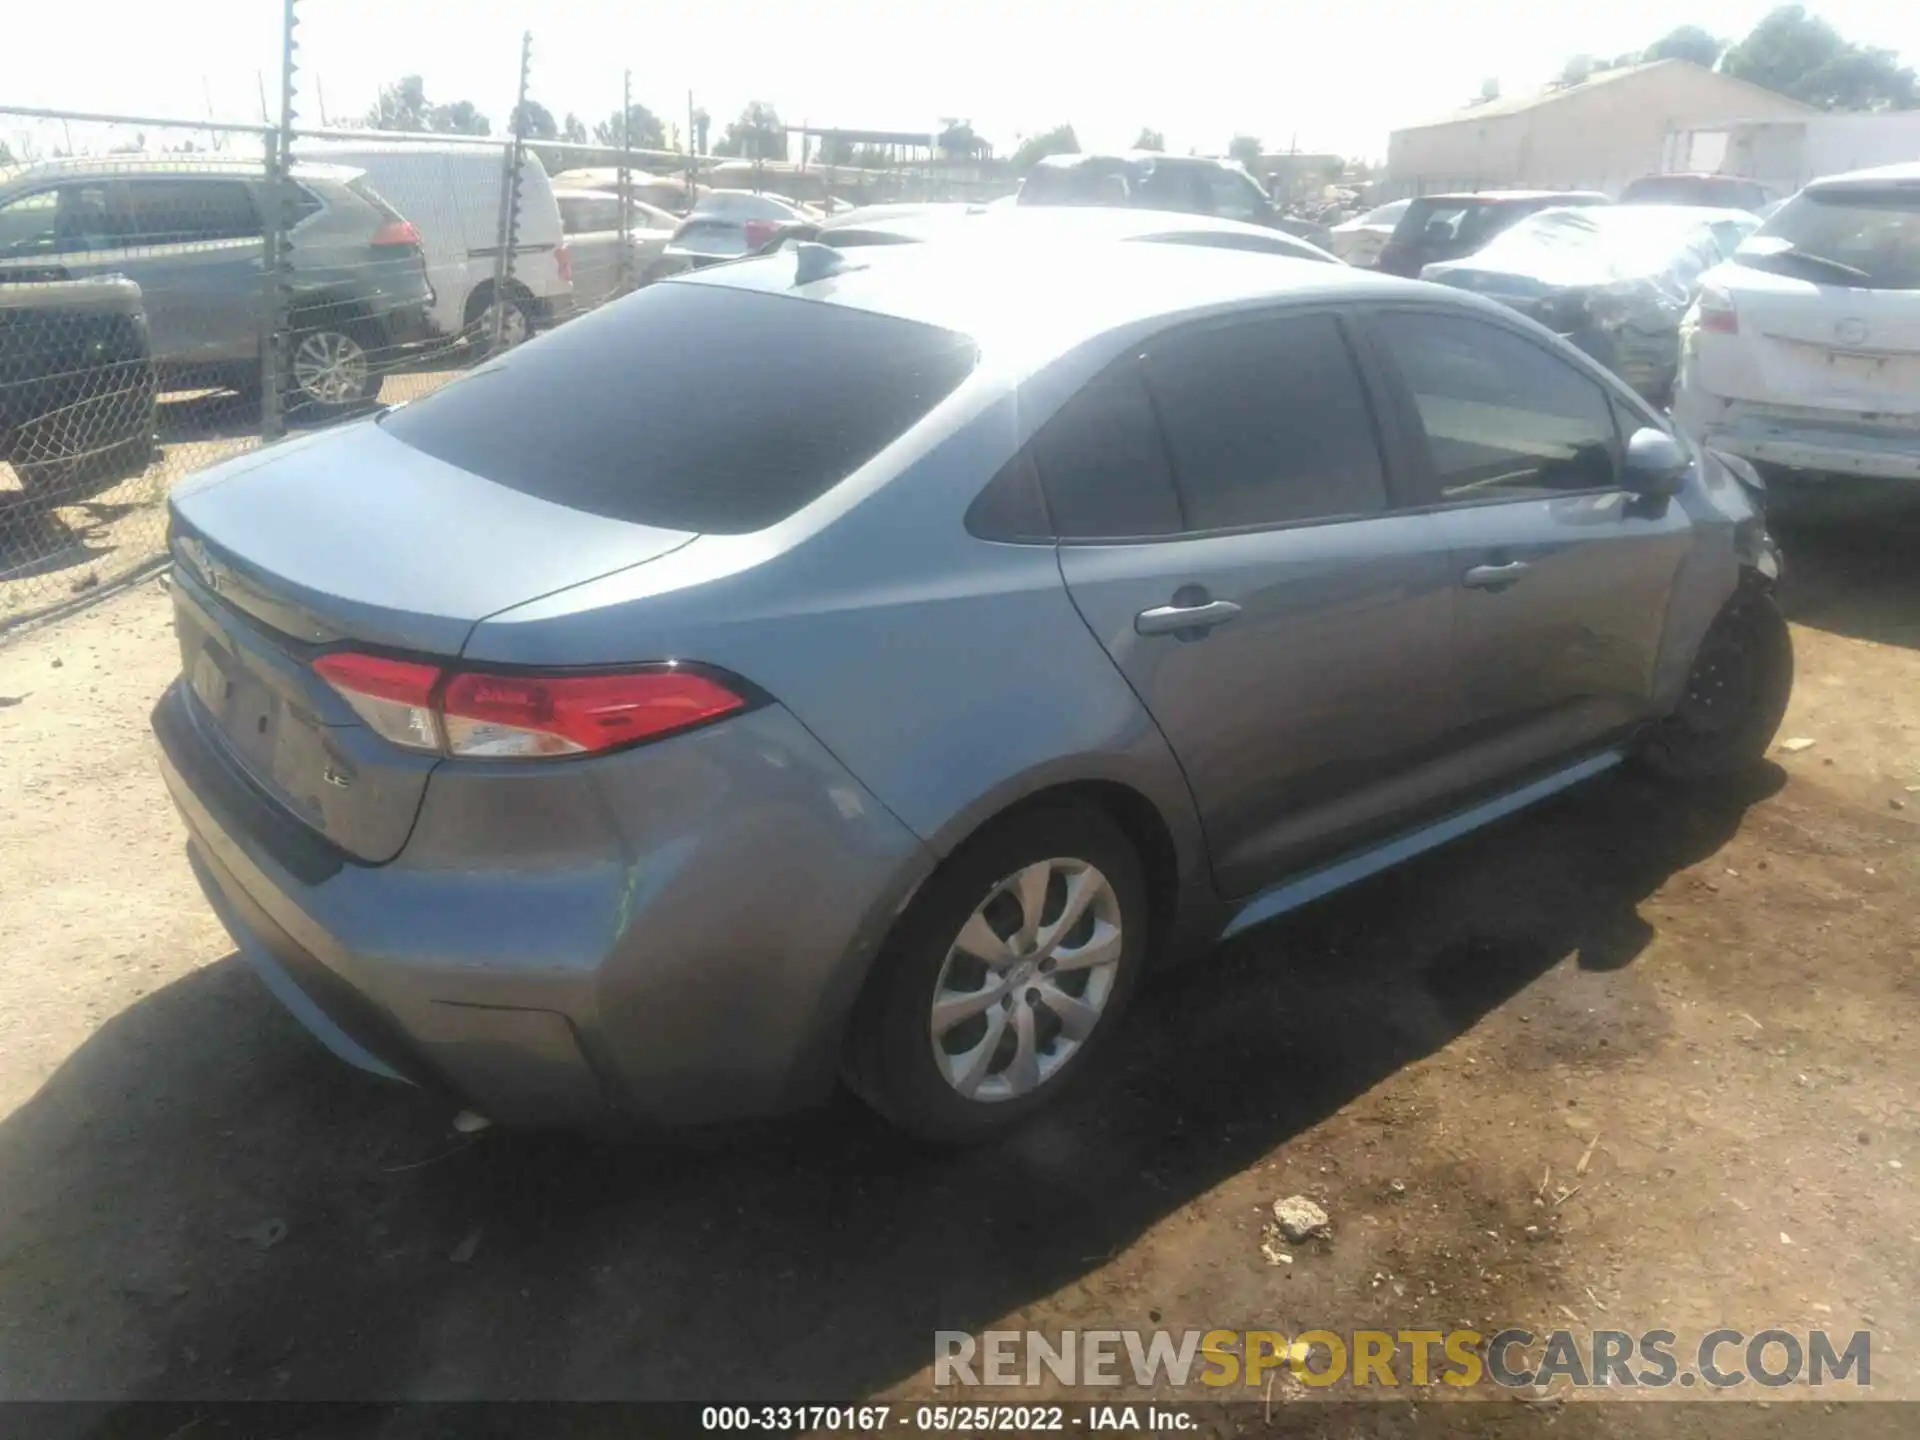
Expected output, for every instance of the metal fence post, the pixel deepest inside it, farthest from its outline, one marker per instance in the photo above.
(625, 281)
(277, 256)
(510, 200)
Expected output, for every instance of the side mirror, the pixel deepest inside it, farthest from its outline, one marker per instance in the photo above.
(1656, 464)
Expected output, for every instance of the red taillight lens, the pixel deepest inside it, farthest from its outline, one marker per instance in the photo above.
(538, 715)
(759, 232)
(563, 257)
(397, 232)
(522, 716)
(1717, 313)
(395, 697)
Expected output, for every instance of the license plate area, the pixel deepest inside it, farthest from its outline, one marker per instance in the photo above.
(247, 711)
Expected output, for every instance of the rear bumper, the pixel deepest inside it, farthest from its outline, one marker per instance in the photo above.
(671, 935)
(1839, 449)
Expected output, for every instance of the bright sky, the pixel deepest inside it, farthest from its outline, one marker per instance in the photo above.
(1329, 76)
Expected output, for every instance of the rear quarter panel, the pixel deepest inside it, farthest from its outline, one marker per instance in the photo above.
(951, 675)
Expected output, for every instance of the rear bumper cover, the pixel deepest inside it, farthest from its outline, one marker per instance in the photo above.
(611, 945)
(1881, 453)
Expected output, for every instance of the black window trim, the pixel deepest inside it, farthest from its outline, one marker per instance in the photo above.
(1419, 460)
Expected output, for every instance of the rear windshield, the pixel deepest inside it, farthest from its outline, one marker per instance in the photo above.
(692, 406)
(359, 186)
(738, 205)
(1867, 237)
(1694, 190)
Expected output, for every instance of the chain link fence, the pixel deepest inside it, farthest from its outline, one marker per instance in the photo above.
(175, 293)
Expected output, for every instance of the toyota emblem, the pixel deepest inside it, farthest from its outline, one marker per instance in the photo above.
(195, 554)
(1850, 331)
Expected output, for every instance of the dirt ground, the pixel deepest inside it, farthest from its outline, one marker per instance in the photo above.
(1711, 997)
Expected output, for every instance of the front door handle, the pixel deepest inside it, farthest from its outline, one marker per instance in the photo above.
(1173, 619)
(1494, 577)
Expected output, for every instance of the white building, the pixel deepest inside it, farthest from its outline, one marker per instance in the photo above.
(1597, 134)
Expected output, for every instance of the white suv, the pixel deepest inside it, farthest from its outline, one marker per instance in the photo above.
(1803, 351)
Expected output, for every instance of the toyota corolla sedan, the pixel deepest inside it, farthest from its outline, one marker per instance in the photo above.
(866, 665)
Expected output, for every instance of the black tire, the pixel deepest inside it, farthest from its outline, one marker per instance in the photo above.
(1736, 696)
(890, 1059)
(480, 333)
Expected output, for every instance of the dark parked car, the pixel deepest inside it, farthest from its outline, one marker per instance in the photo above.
(76, 386)
(188, 231)
(1718, 192)
(939, 638)
(1445, 227)
(1148, 180)
(1613, 279)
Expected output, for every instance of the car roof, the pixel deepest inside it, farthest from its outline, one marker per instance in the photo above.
(1025, 304)
(1905, 173)
(1500, 195)
(902, 211)
(1083, 222)
(190, 163)
(1132, 157)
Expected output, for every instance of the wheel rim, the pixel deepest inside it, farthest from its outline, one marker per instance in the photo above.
(513, 325)
(330, 367)
(1722, 683)
(1026, 980)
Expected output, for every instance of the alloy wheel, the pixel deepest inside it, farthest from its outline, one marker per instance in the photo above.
(330, 367)
(1026, 979)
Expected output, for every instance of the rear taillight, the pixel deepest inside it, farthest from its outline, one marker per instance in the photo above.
(1717, 313)
(759, 232)
(397, 232)
(563, 258)
(395, 697)
(523, 716)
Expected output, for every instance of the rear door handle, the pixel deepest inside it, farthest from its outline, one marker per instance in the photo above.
(1171, 619)
(1494, 577)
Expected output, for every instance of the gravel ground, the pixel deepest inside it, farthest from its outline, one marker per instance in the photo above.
(1707, 997)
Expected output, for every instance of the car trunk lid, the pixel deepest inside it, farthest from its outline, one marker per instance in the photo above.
(355, 539)
(1830, 346)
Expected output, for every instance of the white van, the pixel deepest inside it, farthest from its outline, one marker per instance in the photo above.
(451, 193)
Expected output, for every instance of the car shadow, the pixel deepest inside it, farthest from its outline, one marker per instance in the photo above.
(35, 541)
(1849, 561)
(202, 1193)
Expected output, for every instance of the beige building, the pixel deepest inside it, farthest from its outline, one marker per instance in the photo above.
(1596, 134)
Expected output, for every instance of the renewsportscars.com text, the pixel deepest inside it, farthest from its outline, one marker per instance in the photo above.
(1514, 1358)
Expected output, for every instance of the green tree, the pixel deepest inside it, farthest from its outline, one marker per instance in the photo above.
(1803, 56)
(1245, 149)
(756, 135)
(1149, 139)
(6, 155)
(459, 118)
(1058, 141)
(401, 106)
(702, 123)
(1577, 69)
(573, 130)
(644, 130)
(539, 121)
(957, 140)
(1687, 42)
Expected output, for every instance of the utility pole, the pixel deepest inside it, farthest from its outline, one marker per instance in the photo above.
(510, 198)
(692, 168)
(625, 282)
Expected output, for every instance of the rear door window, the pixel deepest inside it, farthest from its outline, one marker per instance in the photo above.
(1267, 423)
(1103, 465)
(692, 406)
(169, 210)
(1503, 418)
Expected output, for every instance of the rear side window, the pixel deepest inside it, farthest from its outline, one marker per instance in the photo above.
(692, 406)
(371, 196)
(1267, 423)
(1103, 465)
(1504, 418)
(169, 211)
